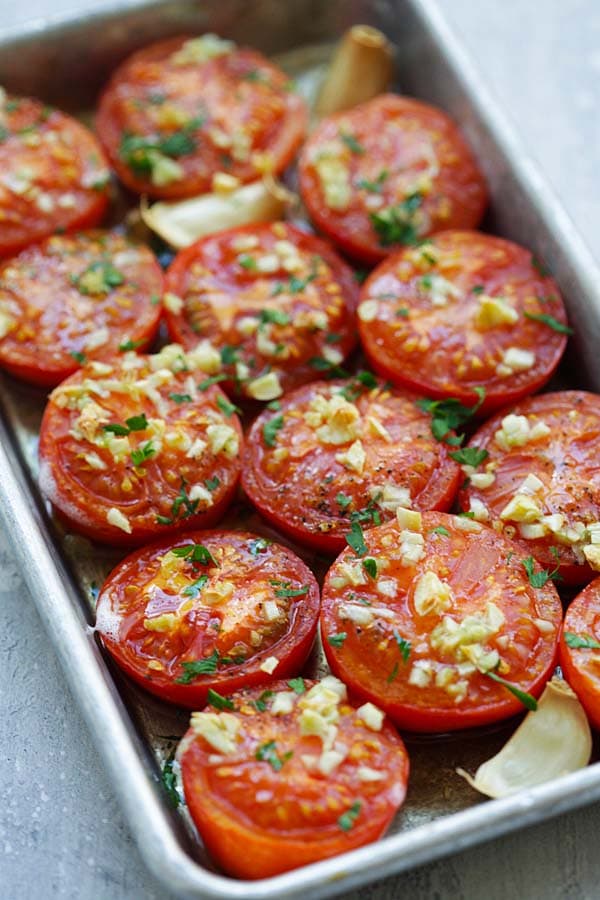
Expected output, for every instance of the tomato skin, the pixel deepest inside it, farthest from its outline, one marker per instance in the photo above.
(398, 140)
(37, 288)
(299, 494)
(222, 95)
(438, 347)
(564, 460)
(195, 636)
(370, 660)
(220, 296)
(228, 817)
(66, 162)
(580, 666)
(83, 492)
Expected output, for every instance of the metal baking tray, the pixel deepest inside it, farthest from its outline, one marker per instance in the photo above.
(66, 61)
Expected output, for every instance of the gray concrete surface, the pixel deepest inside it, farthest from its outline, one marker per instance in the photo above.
(61, 830)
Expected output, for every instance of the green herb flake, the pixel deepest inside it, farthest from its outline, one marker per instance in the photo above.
(81, 358)
(134, 423)
(343, 501)
(477, 289)
(352, 143)
(360, 275)
(370, 566)
(297, 685)
(540, 267)
(320, 364)
(273, 316)
(403, 646)
(181, 508)
(169, 780)
(195, 553)
(206, 666)
(393, 674)
(218, 701)
(550, 321)
(397, 224)
(208, 382)
(143, 454)
(126, 346)
(258, 546)
(247, 262)
(580, 641)
(229, 356)
(337, 640)
(268, 753)
(526, 699)
(194, 589)
(470, 456)
(180, 398)
(212, 484)
(346, 820)
(226, 407)
(403, 312)
(99, 278)
(540, 578)
(271, 429)
(449, 414)
(284, 589)
(376, 186)
(440, 530)
(356, 541)
(261, 702)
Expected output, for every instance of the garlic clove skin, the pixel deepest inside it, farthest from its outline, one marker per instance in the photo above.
(550, 742)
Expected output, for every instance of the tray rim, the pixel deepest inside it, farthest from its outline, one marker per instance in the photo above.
(91, 683)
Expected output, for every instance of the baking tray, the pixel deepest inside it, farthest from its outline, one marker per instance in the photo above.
(65, 61)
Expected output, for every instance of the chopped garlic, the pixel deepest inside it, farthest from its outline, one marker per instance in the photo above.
(368, 309)
(265, 387)
(516, 431)
(515, 360)
(217, 593)
(371, 716)
(409, 519)
(115, 517)
(493, 312)
(223, 439)
(269, 665)
(172, 303)
(201, 49)
(357, 613)
(412, 547)
(283, 703)
(335, 419)
(353, 458)
(219, 729)
(431, 594)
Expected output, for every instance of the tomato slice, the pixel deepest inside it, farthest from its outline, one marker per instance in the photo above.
(133, 449)
(416, 615)
(579, 648)
(182, 110)
(279, 303)
(53, 174)
(210, 611)
(387, 173)
(463, 311)
(75, 298)
(344, 451)
(291, 775)
(540, 480)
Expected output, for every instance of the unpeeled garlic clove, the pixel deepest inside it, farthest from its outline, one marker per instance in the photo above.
(181, 223)
(550, 742)
(361, 68)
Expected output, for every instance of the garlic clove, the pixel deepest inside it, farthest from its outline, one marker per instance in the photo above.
(181, 223)
(361, 68)
(550, 742)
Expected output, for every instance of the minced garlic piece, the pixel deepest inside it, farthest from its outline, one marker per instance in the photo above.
(115, 517)
(335, 419)
(431, 594)
(334, 176)
(164, 622)
(412, 547)
(223, 439)
(353, 458)
(390, 496)
(494, 311)
(219, 729)
(516, 431)
(269, 665)
(217, 593)
(201, 49)
(172, 303)
(409, 519)
(371, 716)
(265, 387)
(357, 613)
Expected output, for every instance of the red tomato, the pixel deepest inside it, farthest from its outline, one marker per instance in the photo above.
(53, 174)
(463, 311)
(76, 298)
(278, 302)
(578, 649)
(274, 793)
(131, 450)
(552, 441)
(387, 173)
(212, 610)
(179, 111)
(417, 621)
(341, 451)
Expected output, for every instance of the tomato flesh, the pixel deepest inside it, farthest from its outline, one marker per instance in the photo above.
(289, 323)
(303, 475)
(580, 665)
(54, 174)
(168, 126)
(387, 173)
(556, 445)
(76, 298)
(417, 650)
(279, 806)
(249, 601)
(177, 466)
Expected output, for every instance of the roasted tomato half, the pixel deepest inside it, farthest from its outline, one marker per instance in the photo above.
(463, 315)
(436, 618)
(194, 618)
(532, 472)
(292, 775)
(53, 174)
(181, 111)
(74, 298)
(388, 173)
(579, 649)
(132, 449)
(342, 452)
(277, 302)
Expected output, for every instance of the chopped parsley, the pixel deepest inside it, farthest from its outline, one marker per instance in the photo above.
(169, 779)
(180, 398)
(370, 566)
(450, 414)
(274, 316)
(81, 358)
(261, 703)
(247, 262)
(346, 820)
(403, 646)
(540, 578)
(343, 501)
(133, 423)
(284, 589)
(550, 321)
(356, 541)
(218, 701)
(369, 513)
(440, 530)
(540, 267)
(258, 545)
(352, 143)
(99, 278)
(363, 380)
(397, 224)
(229, 355)
(374, 187)
(393, 674)
(208, 382)
(580, 642)
(143, 454)
(268, 753)
(323, 365)
(142, 153)
(526, 699)
(297, 685)
(470, 456)
(212, 484)
(226, 407)
(181, 508)
(337, 640)
(130, 345)
(193, 590)
(477, 289)
(271, 429)
(206, 666)
(195, 553)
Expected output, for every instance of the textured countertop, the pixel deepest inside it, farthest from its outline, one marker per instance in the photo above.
(61, 829)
